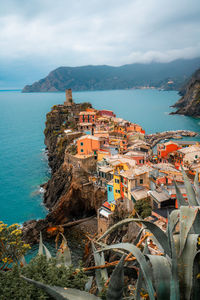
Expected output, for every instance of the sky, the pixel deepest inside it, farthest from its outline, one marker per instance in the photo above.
(37, 36)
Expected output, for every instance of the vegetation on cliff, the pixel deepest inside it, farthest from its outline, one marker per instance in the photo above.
(169, 76)
(189, 104)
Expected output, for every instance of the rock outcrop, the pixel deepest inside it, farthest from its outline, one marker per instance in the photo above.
(68, 194)
(189, 104)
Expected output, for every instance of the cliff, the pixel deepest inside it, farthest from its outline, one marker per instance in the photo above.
(189, 103)
(168, 76)
(68, 194)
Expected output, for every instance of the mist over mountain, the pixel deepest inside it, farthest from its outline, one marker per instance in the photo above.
(168, 76)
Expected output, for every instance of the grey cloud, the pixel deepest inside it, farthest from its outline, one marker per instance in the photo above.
(113, 32)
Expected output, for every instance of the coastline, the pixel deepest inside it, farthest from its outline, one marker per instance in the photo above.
(65, 191)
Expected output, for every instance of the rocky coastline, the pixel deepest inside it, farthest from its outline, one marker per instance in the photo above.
(189, 103)
(69, 194)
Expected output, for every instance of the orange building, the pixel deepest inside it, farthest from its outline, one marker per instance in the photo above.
(88, 144)
(165, 149)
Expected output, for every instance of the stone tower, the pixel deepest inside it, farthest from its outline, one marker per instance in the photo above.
(69, 100)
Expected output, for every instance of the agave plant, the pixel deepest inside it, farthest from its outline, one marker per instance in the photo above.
(174, 275)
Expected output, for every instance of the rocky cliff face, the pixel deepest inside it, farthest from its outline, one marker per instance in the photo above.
(69, 194)
(189, 104)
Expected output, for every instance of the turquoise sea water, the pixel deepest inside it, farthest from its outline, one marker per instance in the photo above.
(23, 166)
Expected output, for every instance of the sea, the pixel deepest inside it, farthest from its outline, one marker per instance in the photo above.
(23, 157)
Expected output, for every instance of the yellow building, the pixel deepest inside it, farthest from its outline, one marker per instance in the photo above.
(117, 178)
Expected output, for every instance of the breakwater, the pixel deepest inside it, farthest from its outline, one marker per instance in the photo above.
(155, 138)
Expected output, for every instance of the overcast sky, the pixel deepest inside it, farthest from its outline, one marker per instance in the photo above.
(40, 35)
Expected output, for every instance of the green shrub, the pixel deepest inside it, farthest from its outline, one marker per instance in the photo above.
(143, 208)
(13, 287)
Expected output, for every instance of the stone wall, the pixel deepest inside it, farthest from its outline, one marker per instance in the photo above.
(88, 164)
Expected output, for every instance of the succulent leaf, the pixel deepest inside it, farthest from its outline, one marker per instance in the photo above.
(196, 185)
(47, 252)
(161, 275)
(40, 251)
(138, 236)
(63, 255)
(88, 284)
(101, 274)
(185, 263)
(142, 262)
(187, 217)
(180, 199)
(59, 293)
(160, 236)
(116, 284)
(189, 190)
(140, 280)
(174, 281)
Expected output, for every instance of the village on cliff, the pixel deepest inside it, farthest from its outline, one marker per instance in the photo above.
(121, 160)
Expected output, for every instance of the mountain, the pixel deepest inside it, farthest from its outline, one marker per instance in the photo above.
(169, 76)
(189, 104)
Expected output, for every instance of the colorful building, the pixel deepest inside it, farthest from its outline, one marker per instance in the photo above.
(164, 149)
(88, 144)
(106, 113)
(87, 117)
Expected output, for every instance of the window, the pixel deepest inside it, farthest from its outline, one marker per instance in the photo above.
(141, 181)
(117, 191)
(196, 156)
(81, 143)
(110, 189)
(81, 150)
(116, 180)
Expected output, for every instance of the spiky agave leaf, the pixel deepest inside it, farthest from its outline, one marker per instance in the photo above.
(196, 185)
(40, 251)
(140, 280)
(187, 218)
(185, 263)
(142, 262)
(47, 252)
(161, 269)
(196, 224)
(160, 235)
(116, 284)
(174, 218)
(138, 236)
(59, 293)
(180, 199)
(189, 189)
(41, 247)
(88, 284)
(63, 255)
(174, 280)
(101, 274)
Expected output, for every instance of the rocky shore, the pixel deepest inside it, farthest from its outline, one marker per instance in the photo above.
(189, 103)
(68, 194)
